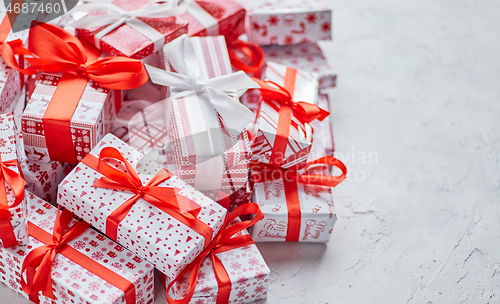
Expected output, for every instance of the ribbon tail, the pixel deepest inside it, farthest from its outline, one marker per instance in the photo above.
(227, 107)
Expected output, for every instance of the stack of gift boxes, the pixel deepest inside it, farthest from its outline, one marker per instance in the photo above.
(142, 135)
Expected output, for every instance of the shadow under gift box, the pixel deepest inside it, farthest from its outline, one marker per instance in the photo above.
(160, 237)
(71, 281)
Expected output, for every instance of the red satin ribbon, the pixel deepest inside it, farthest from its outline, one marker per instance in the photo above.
(16, 183)
(38, 263)
(245, 56)
(58, 51)
(221, 243)
(303, 111)
(264, 172)
(164, 198)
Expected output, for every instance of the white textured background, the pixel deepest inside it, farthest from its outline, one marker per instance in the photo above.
(419, 222)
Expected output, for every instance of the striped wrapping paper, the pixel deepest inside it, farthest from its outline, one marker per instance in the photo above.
(90, 122)
(205, 151)
(266, 123)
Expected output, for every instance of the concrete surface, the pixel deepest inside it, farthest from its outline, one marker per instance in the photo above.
(415, 118)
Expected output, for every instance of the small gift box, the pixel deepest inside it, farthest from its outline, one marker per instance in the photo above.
(71, 109)
(68, 262)
(141, 205)
(282, 133)
(231, 270)
(205, 121)
(133, 29)
(296, 207)
(287, 22)
(307, 57)
(13, 219)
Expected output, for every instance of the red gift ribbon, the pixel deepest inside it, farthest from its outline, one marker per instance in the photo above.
(59, 51)
(166, 199)
(265, 172)
(221, 243)
(249, 52)
(38, 263)
(303, 111)
(16, 183)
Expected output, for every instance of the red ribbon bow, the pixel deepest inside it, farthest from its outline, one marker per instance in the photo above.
(164, 198)
(16, 183)
(245, 56)
(263, 173)
(224, 241)
(38, 263)
(303, 111)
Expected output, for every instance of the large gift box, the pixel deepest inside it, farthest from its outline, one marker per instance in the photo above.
(141, 205)
(208, 140)
(287, 22)
(13, 219)
(307, 57)
(133, 29)
(87, 267)
(71, 109)
(232, 271)
(282, 134)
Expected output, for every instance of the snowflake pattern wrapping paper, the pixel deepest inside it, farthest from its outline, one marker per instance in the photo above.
(247, 271)
(71, 282)
(146, 230)
(11, 151)
(91, 120)
(287, 21)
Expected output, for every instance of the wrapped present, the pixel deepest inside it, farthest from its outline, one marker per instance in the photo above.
(145, 208)
(11, 81)
(133, 29)
(282, 133)
(72, 106)
(205, 121)
(230, 270)
(296, 207)
(287, 22)
(13, 229)
(68, 262)
(323, 131)
(307, 57)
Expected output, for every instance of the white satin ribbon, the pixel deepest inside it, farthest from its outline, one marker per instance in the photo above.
(208, 22)
(117, 16)
(182, 57)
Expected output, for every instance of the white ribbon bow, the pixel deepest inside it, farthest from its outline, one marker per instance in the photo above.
(181, 55)
(116, 16)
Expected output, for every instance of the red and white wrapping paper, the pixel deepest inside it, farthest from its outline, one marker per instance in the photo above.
(323, 131)
(11, 149)
(91, 120)
(213, 18)
(307, 57)
(266, 122)
(208, 153)
(246, 268)
(288, 21)
(71, 282)
(146, 230)
(141, 31)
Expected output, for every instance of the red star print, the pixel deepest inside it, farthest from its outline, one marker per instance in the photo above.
(273, 20)
(255, 26)
(288, 39)
(325, 27)
(311, 18)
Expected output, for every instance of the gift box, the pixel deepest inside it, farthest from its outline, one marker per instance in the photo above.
(167, 222)
(296, 207)
(90, 268)
(209, 143)
(287, 22)
(108, 27)
(323, 130)
(282, 134)
(13, 219)
(69, 111)
(213, 18)
(307, 57)
(238, 261)
(11, 81)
